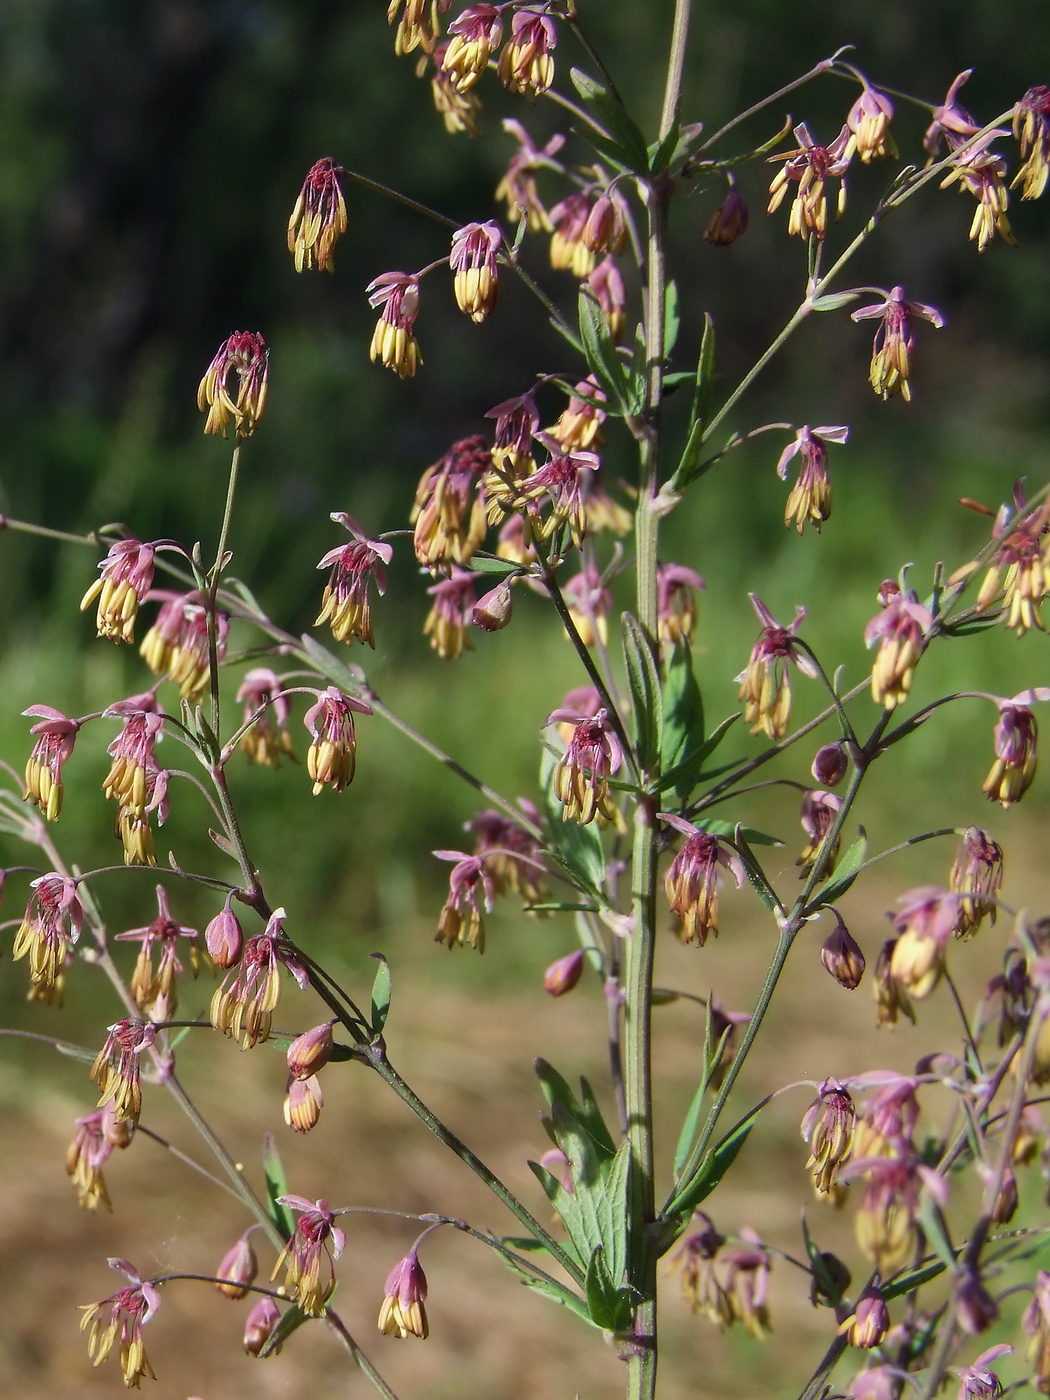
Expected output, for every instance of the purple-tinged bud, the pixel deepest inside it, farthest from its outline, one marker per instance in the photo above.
(729, 221)
(975, 1308)
(563, 975)
(224, 938)
(556, 1162)
(310, 1051)
(830, 764)
(1004, 1208)
(259, 1326)
(493, 611)
(842, 957)
(403, 1313)
(238, 1269)
(303, 1103)
(869, 1324)
(606, 228)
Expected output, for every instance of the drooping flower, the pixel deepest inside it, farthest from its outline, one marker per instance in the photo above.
(579, 424)
(842, 957)
(747, 1283)
(244, 1003)
(458, 110)
(981, 171)
(592, 756)
(890, 997)
(886, 1221)
(461, 918)
(891, 355)
(266, 713)
(830, 764)
(393, 341)
(676, 605)
(569, 252)
(927, 920)
(97, 1134)
(827, 1129)
(978, 1381)
(819, 810)
(55, 737)
(126, 577)
(606, 228)
(243, 354)
(128, 1312)
(729, 221)
(1016, 736)
(869, 123)
(810, 497)
(526, 64)
(1024, 552)
(419, 24)
(310, 1051)
(513, 855)
(810, 167)
(977, 877)
(238, 1269)
(562, 480)
(518, 186)
(303, 1102)
(1032, 129)
(449, 515)
(695, 1258)
(606, 282)
(764, 685)
(344, 605)
(451, 614)
(154, 989)
(473, 260)
(117, 1067)
(224, 937)
(951, 121)
(901, 629)
(692, 879)
(403, 1313)
(332, 757)
(869, 1322)
(176, 647)
(474, 37)
(494, 609)
(887, 1125)
(259, 1327)
(53, 920)
(315, 1243)
(319, 218)
(1036, 1322)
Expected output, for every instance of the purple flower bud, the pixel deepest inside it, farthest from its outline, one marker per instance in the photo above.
(975, 1308)
(224, 938)
(238, 1269)
(259, 1325)
(869, 1323)
(830, 764)
(310, 1051)
(842, 957)
(563, 975)
(493, 611)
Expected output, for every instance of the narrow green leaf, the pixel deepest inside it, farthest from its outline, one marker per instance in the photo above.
(682, 775)
(579, 847)
(554, 1291)
(756, 876)
(682, 706)
(712, 1055)
(702, 398)
(671, 320)
(644, 679)
(713, 1167)
(600, 351)
(348, 678)
(626, 144)
(380, 994)
(833, 301)
(846, 872)
(503, 568)
(616, 1215)
(663, 153)
(610, 1307)
(564, 1202)
(733, 830)
(276, 1185)
(291, 1320)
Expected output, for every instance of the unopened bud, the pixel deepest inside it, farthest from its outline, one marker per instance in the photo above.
(869, 1323)
(729, 221)
(842, 957)
(238, 1269)
(606, 228)
(224, 938)
(563, 975)
(492, 612)
(303, 1103)
(310, 1051)
(259, 1325)
(975, 1308)
(830, 764)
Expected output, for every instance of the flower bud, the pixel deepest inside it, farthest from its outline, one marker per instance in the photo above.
(729, 221)
(310, 1051)
(869, 1324)
(303, 1103)
(238, 1269)
(493, 611)
(842, 957)
(259, 1325)
(830, 764)
(224, 938)
(975, 1308)
(563, 975)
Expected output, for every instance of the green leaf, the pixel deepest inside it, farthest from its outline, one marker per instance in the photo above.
(615, 1214)
(846, 872)
(503, 568)
(682, 707)
(705, 387)
(380, 994)
(644, 678)
(579, 847)
(671, 321)
(564, 1202)
(756, 876)
(626, 144)
(712, 1056)
(348, 678)
(682, 775)
(600, 351)
(586, 1110)
(713, 1167)
(610, 1307)
(276, 1185)
(291, 1319)
(833, 301)
(663, 153)
(545, 1286)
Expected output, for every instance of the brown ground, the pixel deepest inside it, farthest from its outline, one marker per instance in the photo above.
(470, 1056)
